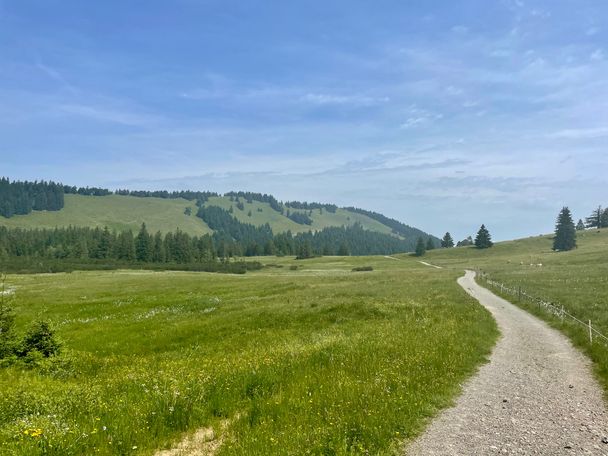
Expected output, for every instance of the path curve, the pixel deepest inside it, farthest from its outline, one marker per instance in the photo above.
(536, 396)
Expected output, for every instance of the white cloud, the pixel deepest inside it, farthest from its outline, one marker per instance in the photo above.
(329, 99)
(597, 55)
(580, 133)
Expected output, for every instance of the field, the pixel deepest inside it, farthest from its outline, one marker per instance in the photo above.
(300, 357)
(577, 279)
(118, 213)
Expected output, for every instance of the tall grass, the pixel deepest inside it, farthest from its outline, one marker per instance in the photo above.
(318, 360)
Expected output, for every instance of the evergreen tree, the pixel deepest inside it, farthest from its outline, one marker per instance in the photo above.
(420, 247)
(447, 241)
(430, 245)
(158, 249)
(565, 232)
(604, 219)
(580, 226)
(595, 219)
(483, 239)
(343, 250)
(465, 242)
(143, 245)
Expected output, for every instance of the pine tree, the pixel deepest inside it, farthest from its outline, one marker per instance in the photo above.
(595, 219)
(430, 245)
(565, 232)
(580, 226)
(604, 219)
(343, 250)
(420, 247)
(447, 242)
(143, 245)
(483, 240)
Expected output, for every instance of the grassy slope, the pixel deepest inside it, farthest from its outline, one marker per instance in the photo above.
(280, 223)
(320, 358)
(577, 279)
(127, 212)
(117, 213)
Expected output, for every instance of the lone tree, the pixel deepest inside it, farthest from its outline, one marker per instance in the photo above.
(604, 219)
(447, 242)
(565, 232)
(430, 245)
(420, 247)
(483, 240)
(580, 226)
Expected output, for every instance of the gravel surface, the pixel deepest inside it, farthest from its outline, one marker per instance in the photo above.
(536, 395)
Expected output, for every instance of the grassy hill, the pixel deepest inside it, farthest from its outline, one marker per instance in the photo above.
(577, 279)
(121, 213)
(117, 212)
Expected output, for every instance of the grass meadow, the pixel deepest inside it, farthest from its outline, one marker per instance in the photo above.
(577, 279)
(302, 357)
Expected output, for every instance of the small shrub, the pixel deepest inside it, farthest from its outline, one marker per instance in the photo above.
(363, 268)
(293, 267)
(40, 338)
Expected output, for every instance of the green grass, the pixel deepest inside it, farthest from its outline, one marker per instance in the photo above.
(117, 213)
(262, 213)
(577, 279)
(317, 360)
(128, 212)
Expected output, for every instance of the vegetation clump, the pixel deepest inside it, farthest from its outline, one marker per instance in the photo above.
(363, 269)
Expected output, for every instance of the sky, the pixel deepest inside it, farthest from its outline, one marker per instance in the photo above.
(441, 114)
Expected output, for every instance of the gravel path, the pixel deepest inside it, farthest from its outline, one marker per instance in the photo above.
(536, 395)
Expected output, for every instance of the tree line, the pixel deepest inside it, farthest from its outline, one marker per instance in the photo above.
(21, 198)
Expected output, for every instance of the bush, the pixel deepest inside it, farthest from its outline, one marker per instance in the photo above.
(40, 338)
(363, 268)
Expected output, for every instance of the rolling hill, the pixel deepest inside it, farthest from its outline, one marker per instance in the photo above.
(125, 212)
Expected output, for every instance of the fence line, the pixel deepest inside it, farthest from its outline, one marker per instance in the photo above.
(551, 308)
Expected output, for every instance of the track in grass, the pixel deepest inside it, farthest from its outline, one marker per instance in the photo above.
(536, 395)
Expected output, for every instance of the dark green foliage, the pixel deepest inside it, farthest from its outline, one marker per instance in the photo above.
(420, 247)
(20, 198)
(188, 211)
(398, 228)
(240, 206)
(483, 240)
(305, 251)
(300, 217)
(363, 269)
(40, 338)
(595, 219)
(87, 191)
(309, 206)
(343, 250)
(143, 245)
(580, 226)
(565, 232)
(604, 219)
(447, 242)
(430, 245)
(465, 242)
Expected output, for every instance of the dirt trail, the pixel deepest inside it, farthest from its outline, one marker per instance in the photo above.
(536, 396)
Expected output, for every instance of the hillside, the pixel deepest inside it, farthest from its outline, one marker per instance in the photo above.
(117, 212)
(124, 212)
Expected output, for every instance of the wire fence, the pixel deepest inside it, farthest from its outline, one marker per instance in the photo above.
(551, 308)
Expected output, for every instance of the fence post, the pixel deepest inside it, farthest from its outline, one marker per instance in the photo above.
(519, 293)
(562, 313)
(590, 333)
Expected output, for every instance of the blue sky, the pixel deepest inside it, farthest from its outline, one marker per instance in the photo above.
(442, 114)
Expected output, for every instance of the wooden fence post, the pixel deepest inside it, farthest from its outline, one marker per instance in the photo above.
(590, 333)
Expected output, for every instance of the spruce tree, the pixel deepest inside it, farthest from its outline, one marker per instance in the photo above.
(565, 232)
(483, 240)
(143, 245)
(420, 247)
(430, 245)
(343, 250)
(580, 226)
(595, 219)
(604, 219)
(447, 242)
